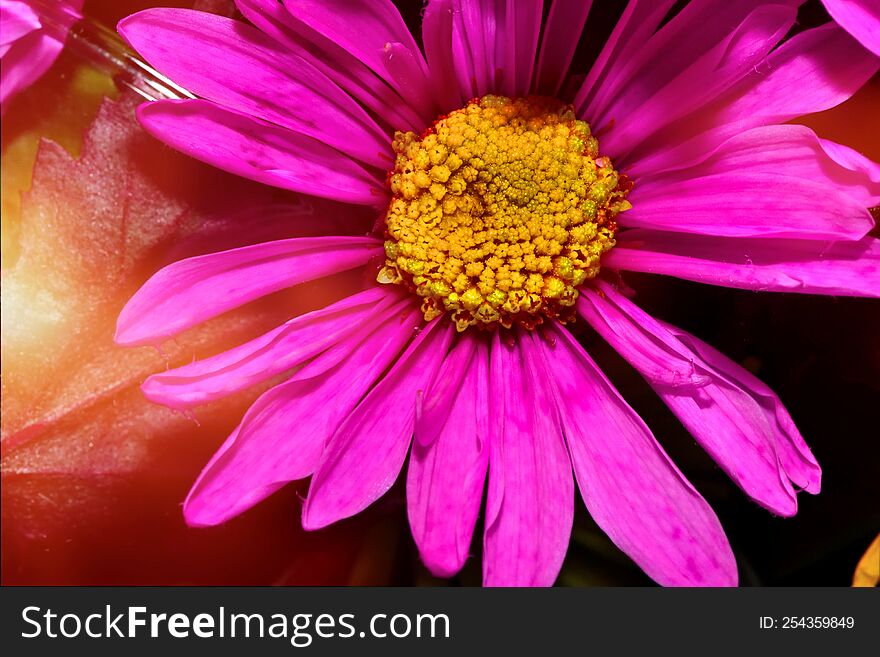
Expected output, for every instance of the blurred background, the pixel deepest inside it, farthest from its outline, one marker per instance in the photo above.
(93, 476)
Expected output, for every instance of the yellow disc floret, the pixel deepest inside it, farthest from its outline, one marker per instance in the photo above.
(500, 211)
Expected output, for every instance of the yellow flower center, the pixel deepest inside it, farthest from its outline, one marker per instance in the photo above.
(500, 211)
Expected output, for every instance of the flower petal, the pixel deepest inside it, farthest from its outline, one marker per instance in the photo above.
(281, 349)
(366, 453)
(565, 23)
(18, 19)
(857, 163)
(861, 18)
(530, 503)
(25, 61)
(407, 71)
(630, 486)
(835, 65)
(810, 267)
(236, 66)
(643, 103)
(736, 418)
(260, 151)
(639, 21)
(27, 46)
(437, 26)
(447, 466)
(474, 45)
(522, 27)
(194, 290)
(746, 204)
(283, 434)
(344, 69)
(660, 57)
(789, 150)
(362, 28)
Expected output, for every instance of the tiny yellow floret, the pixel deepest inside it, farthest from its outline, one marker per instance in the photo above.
(500, 211)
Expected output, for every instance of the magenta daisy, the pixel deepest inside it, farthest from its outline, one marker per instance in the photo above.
(510, 194)
(31, 38)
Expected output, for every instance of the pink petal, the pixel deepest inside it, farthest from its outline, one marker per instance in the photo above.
(834, 65)
(344, 69)
(407, 71)
(238, 67)
(630, 486)
(810, 267)
(260, 151)
(830, 59)
(18, 19)
(861, 18)
(447, 466)
(636, 25)
(522, 27)
(27, 47)
(283, 434)
(437, 26)
(364, 456)
(277, 351)
(858, 164)
(738, 420)
(25, 61)
(474, 44)
(194, 290)
(565, 23)
(362, 28)
(747, 204)
(530, 503)
(697, 83)
(790, 150)
(698, 28)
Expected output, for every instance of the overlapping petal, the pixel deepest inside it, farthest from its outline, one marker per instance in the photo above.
(365, 455)
(630, 486)
(848, 268)
(652, 62)
(362, 28)
(194, 290)
(283, 434)
(861, 18)
(449, 458)
(738, 420)
(27, 47)
(437, 26)
(237, 66)
(835, 65)
(693, 85)
(530, 500)
(559, 40)
(790, 150)
(277, 351)
(346, 70)
(765, 205)
(261, 151)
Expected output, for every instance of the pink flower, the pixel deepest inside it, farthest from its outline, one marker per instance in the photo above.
(861, 18)
(31, 39)
(497, 218)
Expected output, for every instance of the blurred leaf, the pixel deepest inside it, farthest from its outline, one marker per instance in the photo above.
(93, 475)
